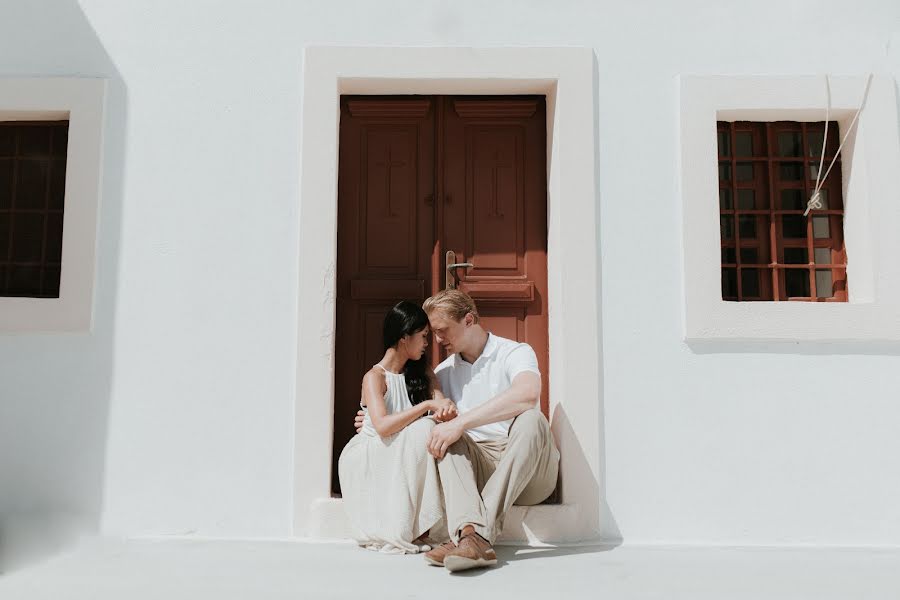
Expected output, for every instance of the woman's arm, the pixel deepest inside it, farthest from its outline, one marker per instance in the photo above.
(446, 408)
(373, 390)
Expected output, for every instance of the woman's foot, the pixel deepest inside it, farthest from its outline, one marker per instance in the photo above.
(424, 542)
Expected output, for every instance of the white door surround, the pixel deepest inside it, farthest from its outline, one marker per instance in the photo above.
(566, 77)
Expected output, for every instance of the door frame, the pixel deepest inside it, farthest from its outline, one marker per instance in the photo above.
(567, 77)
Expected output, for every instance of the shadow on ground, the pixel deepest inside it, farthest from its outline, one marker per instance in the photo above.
(515, 554)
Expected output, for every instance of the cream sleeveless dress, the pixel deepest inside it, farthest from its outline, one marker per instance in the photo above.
(390, 486)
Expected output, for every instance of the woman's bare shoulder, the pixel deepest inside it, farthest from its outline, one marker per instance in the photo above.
(376, 376)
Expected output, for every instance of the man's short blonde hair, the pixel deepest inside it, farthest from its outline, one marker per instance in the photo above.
(453, 303)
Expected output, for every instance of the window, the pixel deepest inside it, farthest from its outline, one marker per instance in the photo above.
(32, 194)
(770, 250)
(865, 286)
(51, 148)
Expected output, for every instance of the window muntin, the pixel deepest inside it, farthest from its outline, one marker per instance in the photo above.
(32, 194)
(769, 250)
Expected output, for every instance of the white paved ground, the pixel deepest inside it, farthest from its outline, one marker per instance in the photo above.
(223, 570)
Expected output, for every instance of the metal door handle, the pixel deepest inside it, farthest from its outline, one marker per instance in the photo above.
(452, 279)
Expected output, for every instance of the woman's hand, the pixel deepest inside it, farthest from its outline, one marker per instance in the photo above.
(443, 409)
(358, 421)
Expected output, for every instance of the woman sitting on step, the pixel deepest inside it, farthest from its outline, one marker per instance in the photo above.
(389, 482)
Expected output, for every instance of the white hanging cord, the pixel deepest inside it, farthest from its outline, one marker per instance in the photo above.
(815, 201)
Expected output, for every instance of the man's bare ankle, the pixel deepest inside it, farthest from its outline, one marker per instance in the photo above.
(468, 530)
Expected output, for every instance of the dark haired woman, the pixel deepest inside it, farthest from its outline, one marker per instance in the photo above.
(389, 482)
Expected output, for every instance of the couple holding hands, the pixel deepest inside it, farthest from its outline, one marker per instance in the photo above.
(440, 455)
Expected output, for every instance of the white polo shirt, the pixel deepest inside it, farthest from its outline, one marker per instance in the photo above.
(471, 385)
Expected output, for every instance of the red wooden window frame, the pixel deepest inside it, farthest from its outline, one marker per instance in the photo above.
(32, 193)
(769, 250)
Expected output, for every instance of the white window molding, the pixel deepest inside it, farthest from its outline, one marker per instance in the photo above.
(870, 162)
(81, 101)
(566, 77)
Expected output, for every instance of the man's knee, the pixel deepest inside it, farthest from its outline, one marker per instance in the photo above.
(530, 423)
(458, 448)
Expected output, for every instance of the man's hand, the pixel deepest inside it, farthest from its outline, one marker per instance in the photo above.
(443, 436)
(358, 421)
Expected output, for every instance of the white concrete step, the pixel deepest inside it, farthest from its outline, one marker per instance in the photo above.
(532, 525)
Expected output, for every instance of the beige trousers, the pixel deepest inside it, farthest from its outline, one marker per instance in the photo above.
(481, 480)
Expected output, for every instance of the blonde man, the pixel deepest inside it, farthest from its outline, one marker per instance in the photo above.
(499, 451)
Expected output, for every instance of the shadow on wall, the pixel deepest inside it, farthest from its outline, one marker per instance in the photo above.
(55, 391)
(578, 481)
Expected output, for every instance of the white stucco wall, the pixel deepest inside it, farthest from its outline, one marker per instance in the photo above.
(176, 414)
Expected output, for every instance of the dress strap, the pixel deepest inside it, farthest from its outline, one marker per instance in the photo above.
(386, 372)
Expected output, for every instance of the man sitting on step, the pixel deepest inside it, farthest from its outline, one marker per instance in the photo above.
(499, 451)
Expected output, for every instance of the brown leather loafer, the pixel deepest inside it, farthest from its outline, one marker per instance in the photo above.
(436, 557)
(472, 552)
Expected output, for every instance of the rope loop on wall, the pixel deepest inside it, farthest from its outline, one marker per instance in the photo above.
(815, 200)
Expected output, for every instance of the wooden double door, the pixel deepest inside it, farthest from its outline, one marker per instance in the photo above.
(427, 181)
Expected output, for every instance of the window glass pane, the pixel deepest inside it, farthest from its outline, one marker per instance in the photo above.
(6, 182)
(743, 143)
(747, 199)
(7, 144)
(57, 183)
(796, 282)
(28, 237)
(823, 283)
(729, 283)
(750, 283)
(51, 282)
(61, 140)
(790, 171)
(747, 224)
(727, 226)
(790, 143)
(54, 237)
(815, 143)
(793, 226)
(24, 280)
(823, 256)
(34, 141)
(814, 170)
(724, 145)
(744, 171)
(792, 200)
(724, 171)
(821, 228)
(728, 256)
(4, 238)
(795, 256)
(31, 184)
(749, 256)
(725, 199)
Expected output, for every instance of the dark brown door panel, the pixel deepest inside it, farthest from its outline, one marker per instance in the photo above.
(422, 175)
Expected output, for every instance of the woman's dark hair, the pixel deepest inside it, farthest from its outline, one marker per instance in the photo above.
(406, 318)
